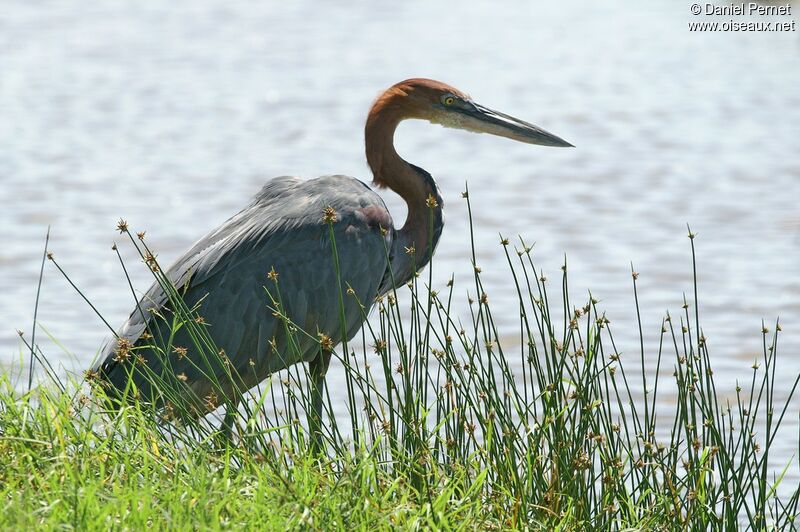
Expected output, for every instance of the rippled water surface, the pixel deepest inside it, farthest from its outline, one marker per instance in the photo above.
(172, 114)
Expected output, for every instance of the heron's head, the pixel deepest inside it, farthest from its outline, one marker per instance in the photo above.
(440, 103)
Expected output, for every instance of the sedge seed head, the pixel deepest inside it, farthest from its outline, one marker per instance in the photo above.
(151, 261)
(325, 342)
(329, 215)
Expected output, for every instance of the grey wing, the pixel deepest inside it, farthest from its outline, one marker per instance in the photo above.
(225, 276)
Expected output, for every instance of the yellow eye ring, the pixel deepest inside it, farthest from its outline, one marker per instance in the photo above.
(449, 100)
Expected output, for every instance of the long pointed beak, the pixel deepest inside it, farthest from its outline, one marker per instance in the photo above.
(484, 120)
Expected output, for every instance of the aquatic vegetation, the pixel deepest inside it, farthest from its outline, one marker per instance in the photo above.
(445, 425)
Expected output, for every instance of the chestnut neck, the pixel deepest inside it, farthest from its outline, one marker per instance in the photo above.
(413, 244)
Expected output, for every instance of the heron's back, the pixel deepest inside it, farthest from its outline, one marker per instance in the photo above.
(225, 277)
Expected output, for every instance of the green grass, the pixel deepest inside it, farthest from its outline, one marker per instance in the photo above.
(437, 430)
(59, 470)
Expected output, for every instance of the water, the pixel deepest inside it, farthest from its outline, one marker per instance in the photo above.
(172, 114)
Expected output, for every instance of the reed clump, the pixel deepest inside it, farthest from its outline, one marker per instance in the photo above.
(443, 425)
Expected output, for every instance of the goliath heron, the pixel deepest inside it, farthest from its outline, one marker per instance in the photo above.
(284, 230)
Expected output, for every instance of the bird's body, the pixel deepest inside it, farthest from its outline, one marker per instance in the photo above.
(224, 275)
(287, 229)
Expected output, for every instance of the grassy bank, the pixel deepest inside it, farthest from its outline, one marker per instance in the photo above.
(437, 430)
(61, 470)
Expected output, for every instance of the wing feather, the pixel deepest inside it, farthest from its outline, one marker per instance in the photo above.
(225, 274)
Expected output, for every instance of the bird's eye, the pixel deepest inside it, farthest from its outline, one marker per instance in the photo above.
(449, 100)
